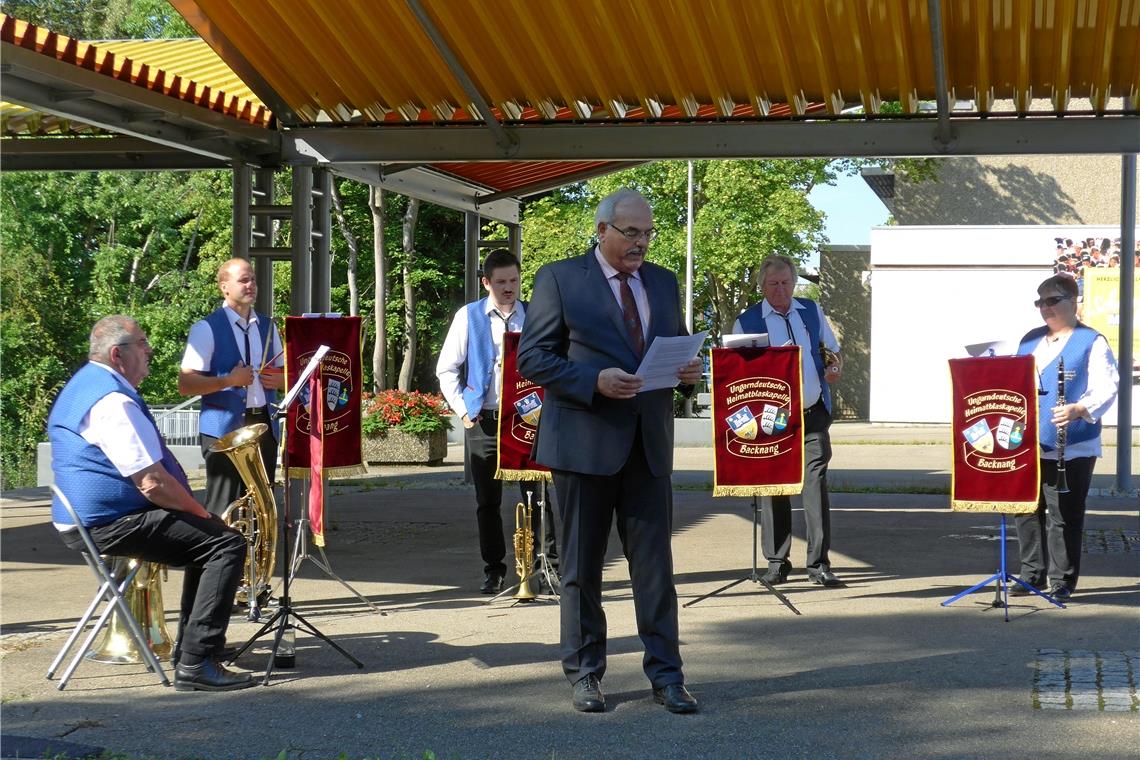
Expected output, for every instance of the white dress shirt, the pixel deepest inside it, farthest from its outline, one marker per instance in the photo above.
(777, 329)
(635, 284)
(453, 355)
(1104, 380)
(200, 350)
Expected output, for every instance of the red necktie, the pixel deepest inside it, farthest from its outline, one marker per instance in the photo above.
(631, 315)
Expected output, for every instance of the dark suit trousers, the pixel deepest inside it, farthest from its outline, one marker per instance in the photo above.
(1049, 540)
(211, 553)
(644, 508)
(776, 511)
(482, 460)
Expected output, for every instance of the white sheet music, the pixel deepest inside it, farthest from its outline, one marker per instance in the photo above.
(745, 340)
(665, 357)
(303, 380)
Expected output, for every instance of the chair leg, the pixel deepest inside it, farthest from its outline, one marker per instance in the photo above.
(78, 629)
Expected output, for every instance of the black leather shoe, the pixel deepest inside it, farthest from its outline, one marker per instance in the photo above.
(209, 675)
(588, 695)
(1016, 589)
(676, 698)
(1060, 591)
(492, 583)
(777, 574)
(824, 578)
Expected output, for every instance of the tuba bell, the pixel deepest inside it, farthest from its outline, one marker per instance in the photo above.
(254, 513)
(144, 599)
(524, 550)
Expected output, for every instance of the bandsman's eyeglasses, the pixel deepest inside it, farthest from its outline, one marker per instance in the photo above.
(632, 233)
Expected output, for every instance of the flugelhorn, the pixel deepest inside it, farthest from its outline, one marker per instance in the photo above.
(144, 599)
(253, 514)
(1062, 430)
(524, 549)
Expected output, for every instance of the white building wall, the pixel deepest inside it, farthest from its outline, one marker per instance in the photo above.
(935, 290)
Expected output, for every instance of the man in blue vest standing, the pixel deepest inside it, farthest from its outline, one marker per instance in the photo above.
(132, 496)
(470, 372)
(232, 361)
(799, 321)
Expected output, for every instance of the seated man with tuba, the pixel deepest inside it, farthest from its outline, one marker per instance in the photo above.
(130, 493)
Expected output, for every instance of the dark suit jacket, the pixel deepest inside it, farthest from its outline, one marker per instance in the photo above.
(574, 330)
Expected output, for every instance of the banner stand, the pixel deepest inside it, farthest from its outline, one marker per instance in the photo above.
(754, 576)
(301, 553)
(1002, 578)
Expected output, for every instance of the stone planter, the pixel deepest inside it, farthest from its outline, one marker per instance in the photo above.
(397, 447)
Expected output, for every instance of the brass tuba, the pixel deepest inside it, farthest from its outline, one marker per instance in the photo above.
(524, 550)
(144, 599)
(254, 513)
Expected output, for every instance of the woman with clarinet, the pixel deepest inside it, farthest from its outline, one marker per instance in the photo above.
(1077, 382)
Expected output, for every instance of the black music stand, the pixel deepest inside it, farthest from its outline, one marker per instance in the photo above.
(286, 615)
(754, 576)
(544, 569)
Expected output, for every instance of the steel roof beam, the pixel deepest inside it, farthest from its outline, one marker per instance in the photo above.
(641, 142)
(432, 187)
(503, 139)
(941, 84)
(98, 154)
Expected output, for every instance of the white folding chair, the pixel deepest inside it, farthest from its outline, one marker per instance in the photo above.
(109, 592)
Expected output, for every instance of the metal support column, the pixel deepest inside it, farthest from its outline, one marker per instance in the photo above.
(242, 232)
(322, 239)
(514, 240)
(261, 194)
(1127, 322)
(471, 227)
(302, 241)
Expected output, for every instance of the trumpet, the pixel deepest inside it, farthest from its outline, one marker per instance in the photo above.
(1062, 430)
(253, 514)
(524, 549)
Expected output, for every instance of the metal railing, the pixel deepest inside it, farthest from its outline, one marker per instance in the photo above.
(178, 424)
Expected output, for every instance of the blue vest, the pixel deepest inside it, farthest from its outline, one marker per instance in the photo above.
(82, 471)
(224, 411)
(752, 321)
(480, 365)
(1076, 356)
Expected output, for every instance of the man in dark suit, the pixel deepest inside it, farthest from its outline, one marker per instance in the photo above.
(610, 447)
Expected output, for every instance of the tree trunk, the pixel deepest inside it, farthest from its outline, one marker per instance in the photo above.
(407, 366)
(353, 250)
(378, 203)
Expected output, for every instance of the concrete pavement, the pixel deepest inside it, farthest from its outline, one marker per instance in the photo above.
(876, 668)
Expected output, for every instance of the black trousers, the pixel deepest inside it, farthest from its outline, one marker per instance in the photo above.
(643, 505)
(1049, 540)
(223, 483)
(211, 553)
(776, 511)
(482, 459)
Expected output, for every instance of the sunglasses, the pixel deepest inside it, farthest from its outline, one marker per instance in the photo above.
(1050, 301)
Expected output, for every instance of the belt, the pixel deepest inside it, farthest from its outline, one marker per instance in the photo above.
(489, 414)
(256, 411)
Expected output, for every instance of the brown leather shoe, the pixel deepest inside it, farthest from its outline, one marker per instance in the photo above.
(676, 698)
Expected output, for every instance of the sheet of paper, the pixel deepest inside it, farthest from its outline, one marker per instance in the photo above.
(665, 357)
(303, 380)
(992, 348)
(745, 340)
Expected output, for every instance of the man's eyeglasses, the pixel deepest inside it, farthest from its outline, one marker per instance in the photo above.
(1050, 301)
(137, 341)
(632, 233)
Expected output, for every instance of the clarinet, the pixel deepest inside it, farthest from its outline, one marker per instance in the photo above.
(1062, 430)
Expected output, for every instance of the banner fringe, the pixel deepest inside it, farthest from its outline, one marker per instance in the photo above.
(1002, 507)
(770, 490)
(348, 471)
(527, 475)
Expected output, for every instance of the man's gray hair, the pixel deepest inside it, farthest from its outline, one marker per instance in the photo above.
(778, 260)
(110, 331)
(607, 207)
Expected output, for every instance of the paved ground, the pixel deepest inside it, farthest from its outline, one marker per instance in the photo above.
(874, 669)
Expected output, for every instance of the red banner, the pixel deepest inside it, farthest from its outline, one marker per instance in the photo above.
(520, 404)
(316, 459)
(757, 421)
(339, 393)
(994, 430)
